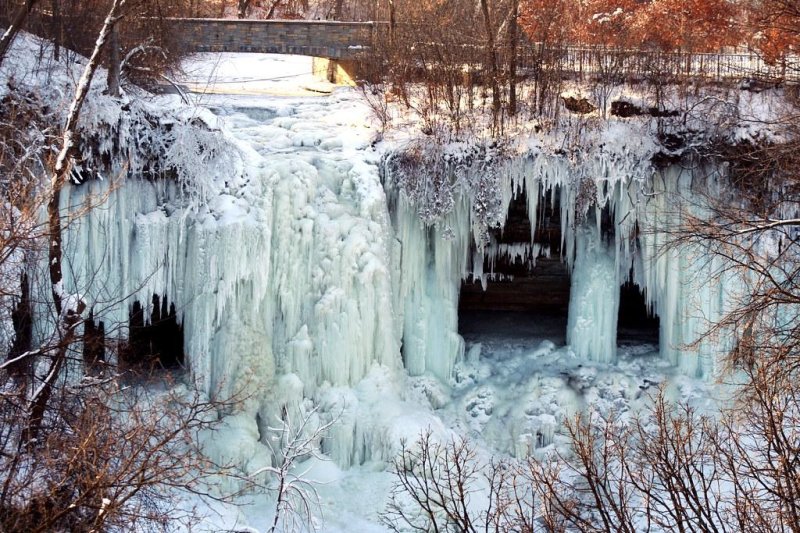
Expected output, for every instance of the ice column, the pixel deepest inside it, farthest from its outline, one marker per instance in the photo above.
(430, 265)
(594, 299)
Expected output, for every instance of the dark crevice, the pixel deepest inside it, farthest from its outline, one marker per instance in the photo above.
(155, 341)
(526, 298)
(21, 320)
(537, 285)
(94, 343)
(635, 321)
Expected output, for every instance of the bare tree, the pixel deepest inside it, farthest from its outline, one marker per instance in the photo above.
(67, 308)
(82, 448)
(433, 485)
(491, 54)
(667, 469)
(108, 455)
(294, 440)
(16, 25)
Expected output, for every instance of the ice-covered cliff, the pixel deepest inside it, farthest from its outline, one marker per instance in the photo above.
(305, 275)
(305, 264)
(617, 214)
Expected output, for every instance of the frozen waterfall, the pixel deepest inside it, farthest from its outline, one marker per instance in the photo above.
(641, 205)
(323, 271)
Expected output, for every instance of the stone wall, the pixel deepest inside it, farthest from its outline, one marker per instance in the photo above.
(335, 40)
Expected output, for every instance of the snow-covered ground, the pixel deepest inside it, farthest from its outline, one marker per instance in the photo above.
(251, 74)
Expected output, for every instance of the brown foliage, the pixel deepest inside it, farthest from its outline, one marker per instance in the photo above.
(774, 26)
(697, 25)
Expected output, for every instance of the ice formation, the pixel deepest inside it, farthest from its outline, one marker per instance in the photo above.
(308, 268)
(594, 299)
(305, 264)
(682, 286)
(306, 277)
(281, 269)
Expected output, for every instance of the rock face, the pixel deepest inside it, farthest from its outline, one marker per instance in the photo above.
(581, 106)
(624, 109)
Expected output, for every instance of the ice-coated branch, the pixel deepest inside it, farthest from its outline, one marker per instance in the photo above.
(30, 353)
(68, 318)
(139, 49)
(768, 225)
(297, 499)
(61, 167)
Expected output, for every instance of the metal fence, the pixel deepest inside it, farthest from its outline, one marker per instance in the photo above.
(586, 61)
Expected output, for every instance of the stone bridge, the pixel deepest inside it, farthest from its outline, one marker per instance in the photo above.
(334, 45)
(328, 39)
(337, 45)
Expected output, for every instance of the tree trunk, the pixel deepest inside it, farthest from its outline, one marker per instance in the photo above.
(113, 63)
(273, 6)
(513, 39)
(492, 58)
(244, 6)
(16, 24)
(392, 22)
(68, 319)
(56, 29)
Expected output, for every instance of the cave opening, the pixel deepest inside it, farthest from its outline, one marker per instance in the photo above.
(524, 288)
(154, 341)
(636, 323)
